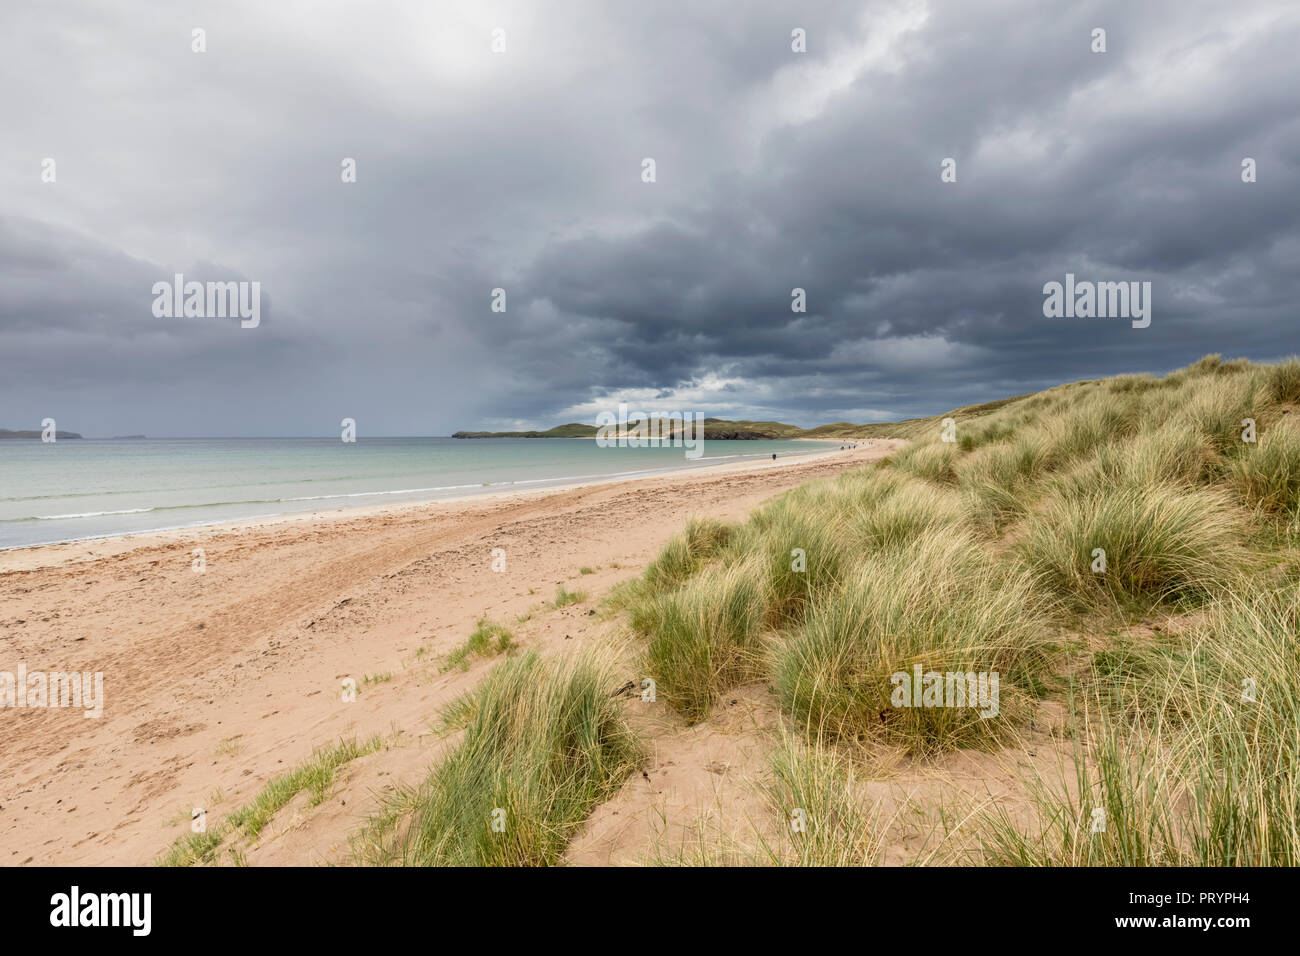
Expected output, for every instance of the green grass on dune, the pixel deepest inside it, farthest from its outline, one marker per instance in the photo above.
(1190, 750)
(315, 776)
(487, 640)
(1148, 542)
(703, 635)
(941, 603)
(543, 743)
(686, 552)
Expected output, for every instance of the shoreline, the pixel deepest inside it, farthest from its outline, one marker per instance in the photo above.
(26, 557)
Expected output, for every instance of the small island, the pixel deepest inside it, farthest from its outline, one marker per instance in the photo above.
(34, 433)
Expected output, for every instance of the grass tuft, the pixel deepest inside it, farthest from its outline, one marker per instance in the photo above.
(543, 744)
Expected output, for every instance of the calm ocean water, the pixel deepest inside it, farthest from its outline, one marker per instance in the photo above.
(85, 488)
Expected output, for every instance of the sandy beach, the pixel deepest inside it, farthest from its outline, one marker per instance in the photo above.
(216, 681)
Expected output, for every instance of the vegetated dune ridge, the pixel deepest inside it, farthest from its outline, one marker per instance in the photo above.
(1123, 553)
(218, 684)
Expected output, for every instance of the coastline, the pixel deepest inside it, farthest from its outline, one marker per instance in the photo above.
(28, 557)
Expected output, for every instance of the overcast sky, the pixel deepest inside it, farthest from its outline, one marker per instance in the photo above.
(523, 170)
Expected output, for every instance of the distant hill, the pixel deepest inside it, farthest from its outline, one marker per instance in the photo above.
(34, 433)
(571, 430)
(908, 427)
(714, 428)
(723, 428)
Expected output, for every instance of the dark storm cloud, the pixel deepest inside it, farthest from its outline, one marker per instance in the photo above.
(522, 171)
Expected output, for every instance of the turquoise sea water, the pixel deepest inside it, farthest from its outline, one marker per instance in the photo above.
(84, 488)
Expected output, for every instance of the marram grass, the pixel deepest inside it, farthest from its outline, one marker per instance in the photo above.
(543, 743)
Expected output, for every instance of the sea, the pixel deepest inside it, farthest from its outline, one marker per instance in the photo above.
(74, 489)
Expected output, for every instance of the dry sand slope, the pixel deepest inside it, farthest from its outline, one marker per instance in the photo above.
(215, 682)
